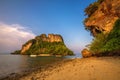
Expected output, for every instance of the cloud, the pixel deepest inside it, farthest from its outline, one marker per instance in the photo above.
(13, 36)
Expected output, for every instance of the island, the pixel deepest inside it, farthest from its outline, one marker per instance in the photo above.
(44, 45)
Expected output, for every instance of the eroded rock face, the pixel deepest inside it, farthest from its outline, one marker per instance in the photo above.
(54, 38)
(103, 19)
(25, 48)
(50, 38)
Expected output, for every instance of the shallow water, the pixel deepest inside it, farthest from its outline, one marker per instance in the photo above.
(18, 63)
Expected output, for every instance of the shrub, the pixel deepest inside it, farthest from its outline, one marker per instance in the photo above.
(98, 43)
(16, 52)
(103, 44)
(100, 1)
(113, 39)
(54, 48)
(91, 9)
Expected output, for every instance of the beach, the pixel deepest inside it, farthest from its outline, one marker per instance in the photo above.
(94, 68)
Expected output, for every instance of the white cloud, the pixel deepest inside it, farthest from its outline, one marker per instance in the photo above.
(13, 36)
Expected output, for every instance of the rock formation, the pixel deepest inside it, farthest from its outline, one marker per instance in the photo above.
(26, 47)
(104, 17)
(86, 53)
(43, 37)
(50, 37)
(52, 44)
(103, 22)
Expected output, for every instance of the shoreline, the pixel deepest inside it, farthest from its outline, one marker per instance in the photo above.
(40, 69)
(94, 68)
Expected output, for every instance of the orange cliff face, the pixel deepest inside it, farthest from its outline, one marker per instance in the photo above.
(26, 47)
(50, 38)
(103, 19)
(42, 37)
(54, 38)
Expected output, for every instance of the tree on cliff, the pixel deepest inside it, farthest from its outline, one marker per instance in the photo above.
(92, 8)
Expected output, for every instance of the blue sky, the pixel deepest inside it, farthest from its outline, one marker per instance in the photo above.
(63, 17)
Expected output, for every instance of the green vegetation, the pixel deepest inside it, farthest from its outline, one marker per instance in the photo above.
(92, 8)
(54, 48)
(113, 39)
(30, 41)
(107, 44)
(100, 1)
(97, 44)
(16, 52)
(42, 45)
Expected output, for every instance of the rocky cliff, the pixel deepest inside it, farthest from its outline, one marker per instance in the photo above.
(50, 38)
(104, 16)
(43, 37)
(103, 21)
(52, 44)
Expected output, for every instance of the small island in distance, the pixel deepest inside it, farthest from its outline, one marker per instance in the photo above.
(44, 45)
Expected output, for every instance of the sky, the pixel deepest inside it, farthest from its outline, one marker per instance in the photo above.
(21, 20)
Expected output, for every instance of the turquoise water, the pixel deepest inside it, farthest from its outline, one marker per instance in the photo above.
(18, 63)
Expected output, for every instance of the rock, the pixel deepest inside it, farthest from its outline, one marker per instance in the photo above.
(86, 53)
(52, 44)
(50, 38)
(43, 37)
(103, 19)
(25, 47)
(55, 38)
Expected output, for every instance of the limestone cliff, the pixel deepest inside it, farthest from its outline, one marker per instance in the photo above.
(26, 47)
(52, 44)
(42, 37)
(50, 38)
(103, 22)
(103, 18)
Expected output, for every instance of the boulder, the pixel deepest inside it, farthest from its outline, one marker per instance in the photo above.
(86, 53)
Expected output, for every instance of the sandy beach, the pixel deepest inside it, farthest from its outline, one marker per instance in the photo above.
(101, 68)
(104, 68)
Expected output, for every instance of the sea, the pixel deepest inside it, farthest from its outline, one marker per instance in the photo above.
(18, 63)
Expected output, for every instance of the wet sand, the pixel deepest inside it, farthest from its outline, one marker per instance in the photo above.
(100, 68)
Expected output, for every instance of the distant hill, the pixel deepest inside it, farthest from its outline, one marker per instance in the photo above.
(52, 44)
